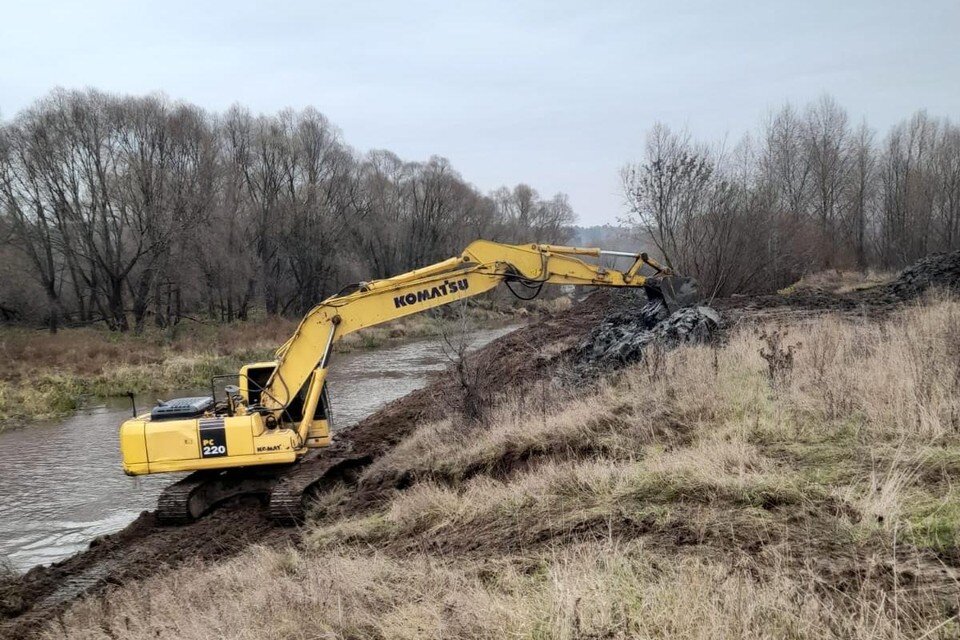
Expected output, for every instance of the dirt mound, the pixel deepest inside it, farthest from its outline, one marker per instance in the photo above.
(937, 270)
(627, 332)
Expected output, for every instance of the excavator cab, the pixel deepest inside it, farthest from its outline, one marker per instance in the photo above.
(254, 379)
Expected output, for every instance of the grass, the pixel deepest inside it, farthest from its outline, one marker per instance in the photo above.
(699, 495)
(10, 596)
(601, 590)
(50, 375)
(935, 522)
(841, 280)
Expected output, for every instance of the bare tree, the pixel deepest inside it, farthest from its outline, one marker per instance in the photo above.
(696, 218)
(860, 192)
(946, 172)
(826, 140)
(29, 209)
(786, 162)
(811, 194)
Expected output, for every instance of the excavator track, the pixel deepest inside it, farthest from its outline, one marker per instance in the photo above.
(290, 496)
(190, 498)
(286, 489)
(287, 506)
(173, 505)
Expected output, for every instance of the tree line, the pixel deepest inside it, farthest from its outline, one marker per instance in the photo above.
(809, 191)
(134, 209)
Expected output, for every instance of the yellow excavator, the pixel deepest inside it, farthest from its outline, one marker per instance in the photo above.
(277, 411)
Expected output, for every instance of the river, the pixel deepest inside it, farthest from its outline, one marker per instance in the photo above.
(61, 483)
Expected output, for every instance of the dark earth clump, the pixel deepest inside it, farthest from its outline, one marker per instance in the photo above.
(937, 270)
(635, 322)
(626, 333)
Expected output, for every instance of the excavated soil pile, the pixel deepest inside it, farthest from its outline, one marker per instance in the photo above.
(636, 323)
(937, 270)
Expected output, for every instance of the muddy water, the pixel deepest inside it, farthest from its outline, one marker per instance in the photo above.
(61, 483)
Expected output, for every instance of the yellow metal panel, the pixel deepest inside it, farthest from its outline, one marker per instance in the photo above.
(277, 440)
(417, 274)
(171, 440)
(239, 430)
(581, 251)
(162, 440)
(133, 446)
(226, 462)
(318, 434)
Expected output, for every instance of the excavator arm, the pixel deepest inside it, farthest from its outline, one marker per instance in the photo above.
(481, 267)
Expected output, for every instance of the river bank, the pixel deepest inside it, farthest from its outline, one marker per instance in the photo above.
(46, 376)
(792, 477)
(52, 506)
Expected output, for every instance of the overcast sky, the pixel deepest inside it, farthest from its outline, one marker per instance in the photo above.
(557, 94)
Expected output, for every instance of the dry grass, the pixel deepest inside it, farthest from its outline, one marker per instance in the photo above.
(53, 374)
(602, 590)
(514, 431)
(697, 495)
(564, 502)
(92, 351)
(842, 280)
(10, 595)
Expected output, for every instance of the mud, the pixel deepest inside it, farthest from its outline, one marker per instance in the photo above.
(140, 550)
(635, 325)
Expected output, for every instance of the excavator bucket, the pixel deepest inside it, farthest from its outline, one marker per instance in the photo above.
(675, 292)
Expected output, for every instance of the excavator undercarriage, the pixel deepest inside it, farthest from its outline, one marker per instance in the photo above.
(257, 438)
